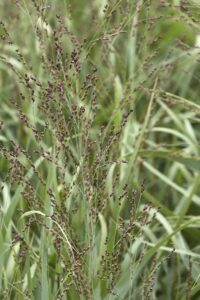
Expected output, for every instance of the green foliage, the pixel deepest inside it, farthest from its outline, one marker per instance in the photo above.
(100, 153)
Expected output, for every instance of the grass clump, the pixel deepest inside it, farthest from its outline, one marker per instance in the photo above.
(99, 150)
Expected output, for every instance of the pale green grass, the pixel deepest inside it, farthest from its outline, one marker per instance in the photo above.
(72, 240)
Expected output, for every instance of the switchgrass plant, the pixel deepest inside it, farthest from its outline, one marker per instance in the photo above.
(100, 149)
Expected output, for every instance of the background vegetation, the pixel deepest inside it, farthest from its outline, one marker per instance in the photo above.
(99, 160)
